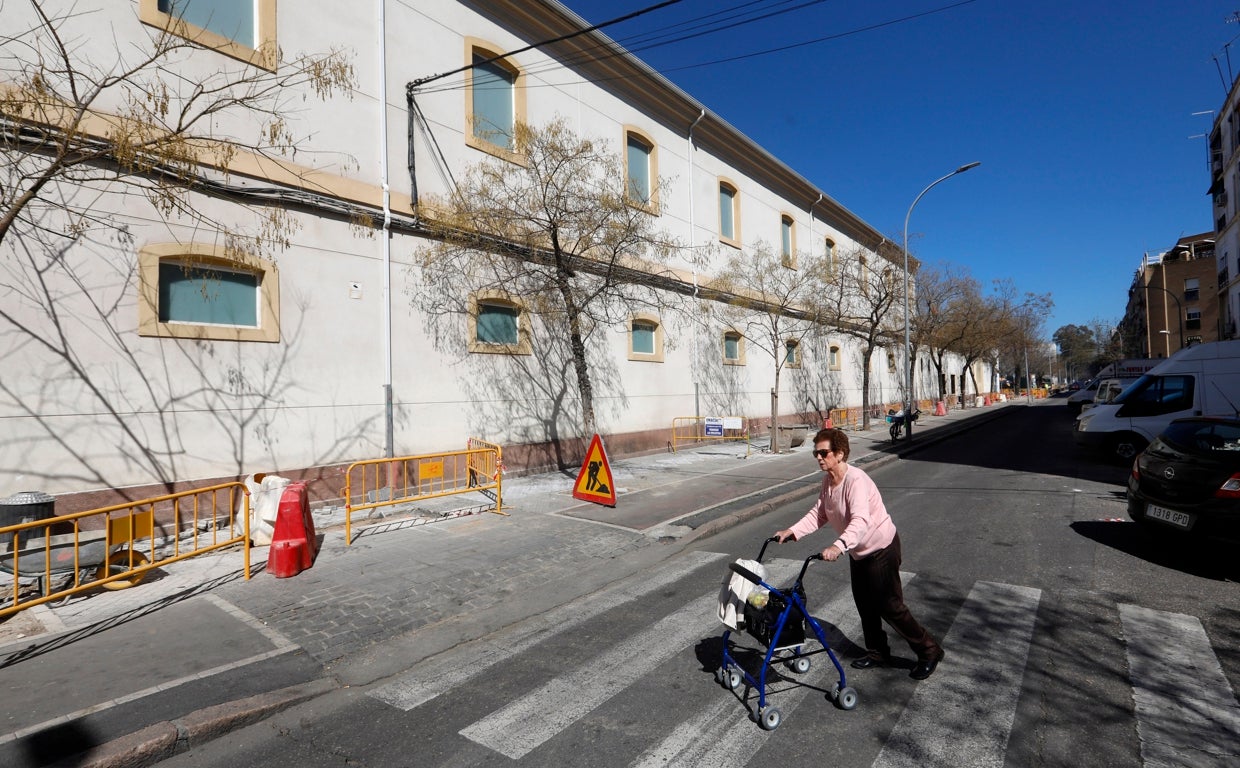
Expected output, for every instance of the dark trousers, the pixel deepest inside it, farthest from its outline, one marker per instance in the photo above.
(880, 597)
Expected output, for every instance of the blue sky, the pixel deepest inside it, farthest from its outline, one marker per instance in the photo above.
(1080, 111)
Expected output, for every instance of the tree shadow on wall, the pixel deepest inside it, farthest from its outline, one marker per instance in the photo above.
(107, 408)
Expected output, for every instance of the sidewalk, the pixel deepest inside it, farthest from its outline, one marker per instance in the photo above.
(129, 677)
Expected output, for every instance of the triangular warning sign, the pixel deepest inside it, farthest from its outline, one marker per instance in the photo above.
(594, 481)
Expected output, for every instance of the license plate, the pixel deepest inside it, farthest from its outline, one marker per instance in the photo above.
(1180, 519)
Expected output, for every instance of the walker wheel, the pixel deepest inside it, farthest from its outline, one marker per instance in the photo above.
(119, 562)
(719, 673)
(770, 718)
(846, 699)
(800, 665)
(732, 680)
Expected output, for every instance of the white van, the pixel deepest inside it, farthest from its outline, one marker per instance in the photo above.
(1202, 380)
(1128, 370)
(1108, 390)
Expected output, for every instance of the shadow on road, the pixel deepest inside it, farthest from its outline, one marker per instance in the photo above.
(1206, 559)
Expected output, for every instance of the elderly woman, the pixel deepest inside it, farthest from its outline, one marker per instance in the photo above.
(851, 504)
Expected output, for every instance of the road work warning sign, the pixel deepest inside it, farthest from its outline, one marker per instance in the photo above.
(594, 481)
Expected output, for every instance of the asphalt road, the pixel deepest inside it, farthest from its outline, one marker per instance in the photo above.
(1072, 637)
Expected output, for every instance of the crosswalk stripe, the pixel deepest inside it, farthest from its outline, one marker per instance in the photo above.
(1186, 711)
(722, 735)
(420, 685)
(530, 721)
(963, 716)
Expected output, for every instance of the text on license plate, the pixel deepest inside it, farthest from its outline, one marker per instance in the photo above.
(1182, 519)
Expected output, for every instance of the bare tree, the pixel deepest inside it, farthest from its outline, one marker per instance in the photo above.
(72, 125)
(558, 235)
(80, 132)
(774, 306)
(944, 295)
(858, 300)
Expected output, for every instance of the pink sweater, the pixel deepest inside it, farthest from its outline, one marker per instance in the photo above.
(854, 508)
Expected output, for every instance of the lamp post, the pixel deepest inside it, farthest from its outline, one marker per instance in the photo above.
(1179, 312)
(908, 347)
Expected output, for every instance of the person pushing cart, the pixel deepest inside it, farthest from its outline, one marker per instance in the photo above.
(851, 504)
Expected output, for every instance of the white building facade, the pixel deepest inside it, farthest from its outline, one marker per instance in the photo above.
(122, 375)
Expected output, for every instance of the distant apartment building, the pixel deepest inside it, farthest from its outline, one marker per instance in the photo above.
(1172, 300)
(1224, 162)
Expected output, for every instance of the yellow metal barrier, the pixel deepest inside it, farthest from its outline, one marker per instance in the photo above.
(843, 418)
(427, 476)
(692, 429)
(115, 547)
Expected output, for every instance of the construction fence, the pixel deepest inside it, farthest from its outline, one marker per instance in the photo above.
(115, 547)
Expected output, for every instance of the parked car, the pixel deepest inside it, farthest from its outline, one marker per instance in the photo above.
(1188, 480)
(1201, 380)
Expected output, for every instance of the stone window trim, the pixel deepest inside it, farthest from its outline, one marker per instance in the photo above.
(651, 207)
(735, 239)
(788, 254)
(792, 353)
(647, 357)
(206, 256)
(263, 55)
(524, 346)
(475, 46)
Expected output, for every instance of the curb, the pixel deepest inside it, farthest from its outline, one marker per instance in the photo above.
(161, 741)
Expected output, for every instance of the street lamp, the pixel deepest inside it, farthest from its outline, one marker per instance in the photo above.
(908, 347)
(1179, 312)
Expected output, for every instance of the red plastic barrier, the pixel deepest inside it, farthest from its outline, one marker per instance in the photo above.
(940, 408)
(293, 545)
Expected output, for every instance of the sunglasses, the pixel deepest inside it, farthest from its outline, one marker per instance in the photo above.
(822, 453)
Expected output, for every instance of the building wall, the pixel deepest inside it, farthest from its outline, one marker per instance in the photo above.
(89, 404)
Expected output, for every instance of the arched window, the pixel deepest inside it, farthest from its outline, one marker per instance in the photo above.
(646, 339)
(641, 169)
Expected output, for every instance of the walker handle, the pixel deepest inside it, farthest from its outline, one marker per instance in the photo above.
(762, 551)
(741, 570)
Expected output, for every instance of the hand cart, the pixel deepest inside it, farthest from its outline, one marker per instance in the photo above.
(779, 624)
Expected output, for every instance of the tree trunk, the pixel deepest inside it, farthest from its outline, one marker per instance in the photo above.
(581, 364)
(775, 415)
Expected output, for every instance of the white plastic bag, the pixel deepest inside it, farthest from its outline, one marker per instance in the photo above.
(265, 492)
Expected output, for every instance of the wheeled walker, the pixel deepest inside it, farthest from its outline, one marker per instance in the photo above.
(779, 624)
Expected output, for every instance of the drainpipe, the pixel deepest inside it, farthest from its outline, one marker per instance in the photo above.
(389, 439)
(697, 406)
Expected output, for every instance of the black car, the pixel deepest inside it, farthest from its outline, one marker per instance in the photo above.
(1188, 479)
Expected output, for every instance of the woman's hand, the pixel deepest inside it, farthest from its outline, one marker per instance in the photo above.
(831, 553)
(783, 535)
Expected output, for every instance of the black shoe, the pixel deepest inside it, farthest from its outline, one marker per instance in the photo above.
(926, 667)
(870, 661)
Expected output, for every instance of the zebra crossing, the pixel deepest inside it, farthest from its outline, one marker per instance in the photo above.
(1184, 708)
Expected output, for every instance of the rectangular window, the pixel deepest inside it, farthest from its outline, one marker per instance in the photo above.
(494, 111)
(1192, 289)
(200, 291)
(731, 348)
(834, 359)
(242, 29)
(792, 354)
(638, 163)
(497, 324)
(727, 212)
(643, 337)
(207, 295)
(233, 19)
(786, 242)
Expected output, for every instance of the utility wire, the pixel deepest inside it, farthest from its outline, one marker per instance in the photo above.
(732, 18)
(626, 17)
(780, 49)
